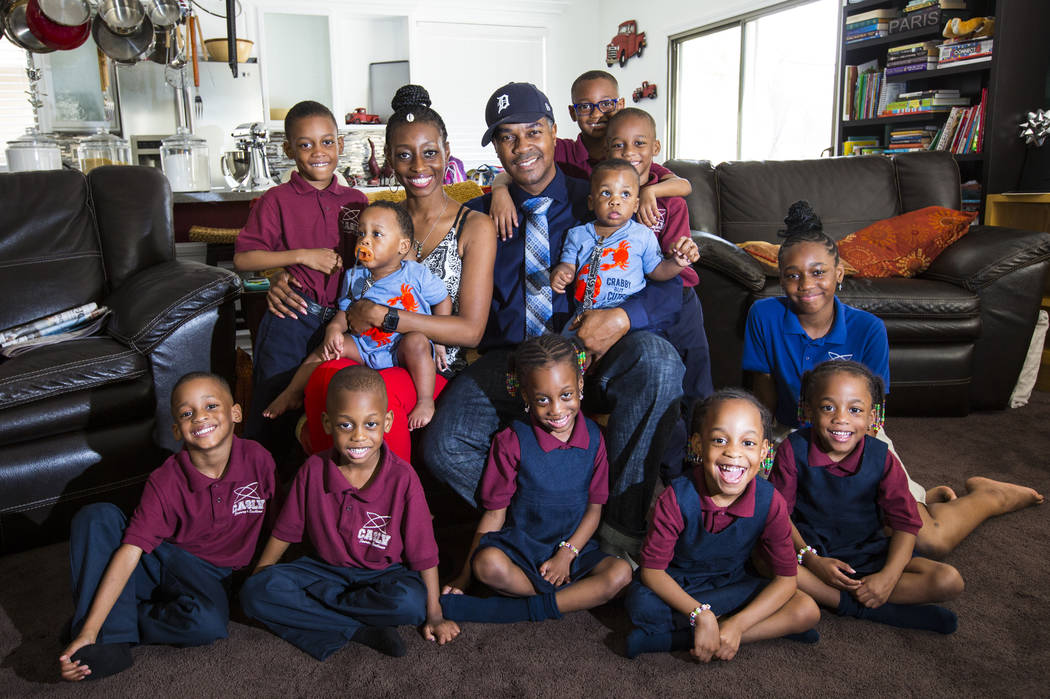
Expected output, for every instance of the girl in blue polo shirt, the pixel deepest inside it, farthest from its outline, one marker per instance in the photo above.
(789, 335)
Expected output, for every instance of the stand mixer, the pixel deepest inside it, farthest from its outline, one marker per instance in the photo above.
(245, 168)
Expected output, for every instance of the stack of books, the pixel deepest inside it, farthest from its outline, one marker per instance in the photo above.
(924, 101)
(960, 53)
(76, 322)
(916, 5)
(963, 130)
(905, 140)
(911, 58)
(971, 198)
(861, 90)
(861, 145)
(868, 25)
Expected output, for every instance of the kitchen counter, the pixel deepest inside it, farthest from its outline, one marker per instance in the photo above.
(213, 196)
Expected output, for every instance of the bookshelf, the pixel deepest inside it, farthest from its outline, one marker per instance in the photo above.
(1017, 80)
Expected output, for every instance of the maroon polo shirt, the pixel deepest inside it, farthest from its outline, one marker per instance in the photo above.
(296, 215)
(674, 223)
(899, 510)
(218, 520)
(499, 481)
(572, 156)
(775, 542)
(384, 523)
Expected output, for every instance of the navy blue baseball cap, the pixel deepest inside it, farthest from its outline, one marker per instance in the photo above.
(515, 103)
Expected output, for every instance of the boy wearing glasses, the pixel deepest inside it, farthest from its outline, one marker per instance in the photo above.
(595, 99)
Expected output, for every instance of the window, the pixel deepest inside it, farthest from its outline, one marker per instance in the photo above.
(16, 114)
(759, 87)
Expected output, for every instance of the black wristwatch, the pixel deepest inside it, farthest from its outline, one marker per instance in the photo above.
(390, 321)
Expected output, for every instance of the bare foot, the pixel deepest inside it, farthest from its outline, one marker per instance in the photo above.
(287, 400)
(941, 493)
(1013, 497)
(421, 414)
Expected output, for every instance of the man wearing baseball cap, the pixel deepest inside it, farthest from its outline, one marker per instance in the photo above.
(634, 376)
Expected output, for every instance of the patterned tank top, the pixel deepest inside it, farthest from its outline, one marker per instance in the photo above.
(446, 264)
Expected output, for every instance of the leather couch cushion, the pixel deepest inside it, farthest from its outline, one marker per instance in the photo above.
(904, 245)
(928, 178)
(76, 365)
(847, 193)
(702, 202)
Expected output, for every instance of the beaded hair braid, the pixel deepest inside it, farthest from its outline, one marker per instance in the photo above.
(802, 225)
(540, 351)
(411, 104)
(812, 378)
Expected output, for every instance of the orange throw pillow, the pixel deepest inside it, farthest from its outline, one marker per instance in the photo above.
(766, 254)
(905, 245)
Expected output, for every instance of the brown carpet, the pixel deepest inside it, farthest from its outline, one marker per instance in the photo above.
(1000, 649)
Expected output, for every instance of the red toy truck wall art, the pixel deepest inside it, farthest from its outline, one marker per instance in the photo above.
(627, 43)
(361, 116)
(647, 89)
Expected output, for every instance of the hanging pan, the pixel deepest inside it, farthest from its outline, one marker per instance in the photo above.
(17, 31)
(123, 48)
(163, 13)
(71, 13)
(52, 34)
(122, 16)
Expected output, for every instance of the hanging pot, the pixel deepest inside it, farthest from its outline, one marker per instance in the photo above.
(123, 48)
(71, 13)
(17, 31)
(163, 13)
(122, 16)
(52, 34)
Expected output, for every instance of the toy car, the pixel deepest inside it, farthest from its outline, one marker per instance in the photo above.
(627, 43)
(646, 90)
(361, 116)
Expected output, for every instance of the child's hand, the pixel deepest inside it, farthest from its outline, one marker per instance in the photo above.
(333, 343)
(503, 213)
(706, 637)
(441, 630)
(875, 589)
(440, 357)
(555, 569)
(323, 260)
(832, 571)
(561, 277)
(729, 640)
(72, 670)
(648, 211)
(684, 251)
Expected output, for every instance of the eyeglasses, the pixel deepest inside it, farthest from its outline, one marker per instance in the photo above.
(604, 106)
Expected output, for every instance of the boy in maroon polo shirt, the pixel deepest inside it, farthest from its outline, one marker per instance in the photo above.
(595, 100)
(296, 225)
(163, 577)
(365, 513)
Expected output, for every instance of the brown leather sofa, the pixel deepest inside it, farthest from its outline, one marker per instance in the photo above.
(958, 333)
(88, 419)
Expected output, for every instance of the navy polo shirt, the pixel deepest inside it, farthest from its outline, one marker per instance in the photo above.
(655, 307)
(776, 344)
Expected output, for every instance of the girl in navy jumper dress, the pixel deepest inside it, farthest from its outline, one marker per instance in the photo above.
(543, 491)
(845, 489)
(695, 588)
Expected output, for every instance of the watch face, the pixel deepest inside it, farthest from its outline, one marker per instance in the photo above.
(390, 321)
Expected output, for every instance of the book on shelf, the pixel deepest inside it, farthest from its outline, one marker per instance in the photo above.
(865, 24)
(867, 36)
(923, 94)
(866, 30)
(861, 91)
(963, 61)
(905, 104)
(915, 5)
(965, 50)
(914, 47)
(882, 13)
(853, 146)
(889, 93)
(901, 69)
(898, 59)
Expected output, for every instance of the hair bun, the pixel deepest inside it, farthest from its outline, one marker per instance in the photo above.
(800, 218)
(410, 97)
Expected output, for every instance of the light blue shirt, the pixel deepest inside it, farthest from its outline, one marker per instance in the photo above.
(627, 256)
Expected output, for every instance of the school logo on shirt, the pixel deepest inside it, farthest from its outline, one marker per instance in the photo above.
(374, 531)
(246, 500)
(832, 356)
(661, 214)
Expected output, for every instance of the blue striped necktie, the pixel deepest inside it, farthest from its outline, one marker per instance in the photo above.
(539, 303)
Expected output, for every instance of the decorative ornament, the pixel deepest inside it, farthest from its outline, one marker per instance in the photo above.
(647, 89)
(627, 43)
(512, 385)
(1036, 129)
(410, 117)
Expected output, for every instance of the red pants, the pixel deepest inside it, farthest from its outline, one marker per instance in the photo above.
(401, 397)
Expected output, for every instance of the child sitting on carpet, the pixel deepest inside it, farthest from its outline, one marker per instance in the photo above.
(695, 568)
(844, 489)
(365, 513)
(164, 576)
(385, 236)
(543, 490)
(787, 335)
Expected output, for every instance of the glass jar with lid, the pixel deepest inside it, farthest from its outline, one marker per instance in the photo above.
(184, 159)
(33, 151)
(102, 148)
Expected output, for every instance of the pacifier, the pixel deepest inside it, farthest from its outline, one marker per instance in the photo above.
(364, 254)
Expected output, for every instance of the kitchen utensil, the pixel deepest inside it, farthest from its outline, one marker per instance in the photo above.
(231, 36)
(17, 31)
(252, 139)
(123, 48)
(198, 102)
(184, 159)
(122, 16)
(71, 13)
(218, 50)
(163, 13)
(52, 34)
(33, 151)
(102, 148)
(235, 166)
